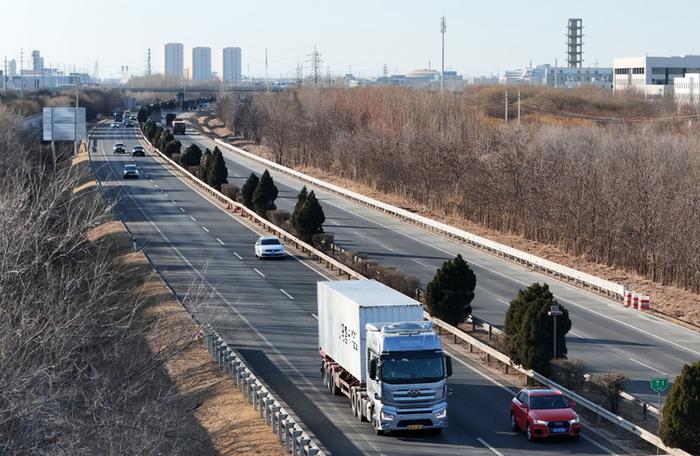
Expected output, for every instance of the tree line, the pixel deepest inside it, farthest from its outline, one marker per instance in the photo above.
(623, 195)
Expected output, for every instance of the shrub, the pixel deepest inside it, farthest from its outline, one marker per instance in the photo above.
(397, 280)
(192, 156)
(450, 293)
(569, 373)
(279, 217)
(610, 385)
(230, 190)
(680, 426)
(173, 147)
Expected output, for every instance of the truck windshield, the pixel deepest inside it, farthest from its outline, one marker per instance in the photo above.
(412, 369)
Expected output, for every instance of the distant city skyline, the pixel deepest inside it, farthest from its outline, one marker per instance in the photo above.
(482, 38)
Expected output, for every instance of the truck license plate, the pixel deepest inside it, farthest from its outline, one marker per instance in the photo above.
(415, 427)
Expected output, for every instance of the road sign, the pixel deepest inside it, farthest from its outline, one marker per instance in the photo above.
(659, 385)
(64, 124)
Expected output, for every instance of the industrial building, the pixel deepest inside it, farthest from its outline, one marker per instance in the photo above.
(174, 60)
(653, 76)
(232, 65)
(686, 90)
(201, 64)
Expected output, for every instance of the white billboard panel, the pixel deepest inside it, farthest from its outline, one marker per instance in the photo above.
(64, 124)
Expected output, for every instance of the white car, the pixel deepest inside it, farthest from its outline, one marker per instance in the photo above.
(269, 247)
(115, 125)
(119, 148)
(130, 171)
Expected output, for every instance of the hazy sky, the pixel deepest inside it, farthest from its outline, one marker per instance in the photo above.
(482, 36)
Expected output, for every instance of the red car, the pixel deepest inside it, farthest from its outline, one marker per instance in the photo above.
(543, 413)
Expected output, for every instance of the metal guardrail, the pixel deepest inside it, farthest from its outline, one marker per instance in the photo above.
(611, 289)
(288, 431)
(598, 410)
(456, 332)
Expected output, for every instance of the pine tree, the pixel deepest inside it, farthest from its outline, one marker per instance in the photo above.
(301, 198)
(192, 156)
(204, 165)
(680, 427)
(249, 189)
(173, 147)
(530, 330)
(308, 220)
(450, 293)
(218, 173)
(265, 194)
(142, 115)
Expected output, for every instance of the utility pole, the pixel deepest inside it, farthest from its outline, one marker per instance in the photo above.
(555, 312)
(4, 76)
(506, 116)
(21, 70)
(148, 63)
(518, 107)
(556, 71)
(75, 117)
(266, 89)
(300, 74)
(385, 72)
(443, 29)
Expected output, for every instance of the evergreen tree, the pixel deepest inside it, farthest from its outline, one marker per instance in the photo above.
(165, 138)
(450, 293)
(192, 156)
(249, 189)
(143, 115)
(308, 220)
(218, 173)
(204, 165)
(680, 427)
(173, 147)
(301, 198)
(530, 330)
(265, 194)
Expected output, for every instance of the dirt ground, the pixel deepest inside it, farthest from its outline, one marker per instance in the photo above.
(675, 304)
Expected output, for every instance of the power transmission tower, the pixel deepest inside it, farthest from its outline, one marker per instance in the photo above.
(329, 80)
(300, 74)
(315, 63)
(385, 72)
(148, 63)
(443, 29)
(266, 70)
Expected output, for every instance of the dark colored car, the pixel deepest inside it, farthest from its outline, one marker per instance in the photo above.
(543, 413)
(138, 151)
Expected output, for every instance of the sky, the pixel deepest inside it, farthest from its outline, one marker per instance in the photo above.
(483, 37)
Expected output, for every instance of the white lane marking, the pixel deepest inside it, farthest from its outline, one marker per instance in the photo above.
(182, 209)
(493, 450)
(423, 264)
(334, 222)
(205, 229)
(385, 247)
(287, 294)
(220, 241)
(151, 180)
(315, 316)
(358, 234)
(238, 256)
(261, 274)
(173, 201)
(156, 185)
(193, 219)
(503, 301)
(165, 194)
(575, 334)
(647, 366)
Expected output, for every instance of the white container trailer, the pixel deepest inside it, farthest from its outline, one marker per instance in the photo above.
(376, 349)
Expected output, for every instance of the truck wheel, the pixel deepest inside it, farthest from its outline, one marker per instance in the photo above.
(376, 430)
(353, 401)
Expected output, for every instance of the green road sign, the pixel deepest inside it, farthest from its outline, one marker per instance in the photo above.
(659, 385)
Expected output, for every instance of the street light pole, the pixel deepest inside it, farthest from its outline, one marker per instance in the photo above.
(554, 312)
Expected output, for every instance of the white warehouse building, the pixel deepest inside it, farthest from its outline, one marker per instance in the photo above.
(686, 90)
(652, 76)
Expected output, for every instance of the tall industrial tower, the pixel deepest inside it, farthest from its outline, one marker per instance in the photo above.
(574, 43)
(148, 62)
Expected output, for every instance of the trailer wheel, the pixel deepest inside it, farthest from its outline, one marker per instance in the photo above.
(360, 409)
(353, 401)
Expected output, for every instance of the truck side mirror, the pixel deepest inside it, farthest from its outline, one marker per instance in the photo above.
(448, 365)
(373, 369)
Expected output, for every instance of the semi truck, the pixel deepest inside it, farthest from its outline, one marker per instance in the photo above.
(179, 127)
(377, 350)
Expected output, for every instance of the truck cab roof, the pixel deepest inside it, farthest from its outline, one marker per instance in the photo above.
(405, 336)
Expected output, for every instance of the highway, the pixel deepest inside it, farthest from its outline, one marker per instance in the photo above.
(266, 310)
(605, 335)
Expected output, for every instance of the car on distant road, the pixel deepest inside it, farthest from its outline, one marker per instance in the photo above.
(119, 148)
(269, 247)
(130, 171)
(543, 413)
(138, 151)
(115, 125)
(129, 124)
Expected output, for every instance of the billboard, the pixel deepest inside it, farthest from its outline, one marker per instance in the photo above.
(64, 124)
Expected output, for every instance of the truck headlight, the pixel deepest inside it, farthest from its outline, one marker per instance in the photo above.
(441, 414)
(386, 416)
(539, 422)
(575, 421)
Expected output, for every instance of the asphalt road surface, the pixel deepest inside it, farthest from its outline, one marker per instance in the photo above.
(266, 310)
